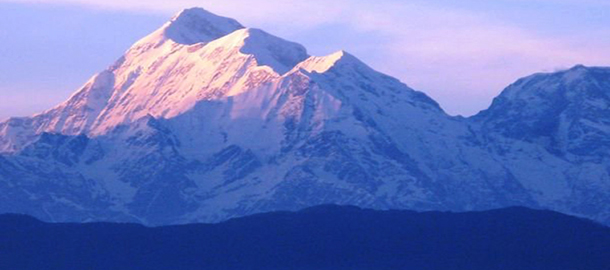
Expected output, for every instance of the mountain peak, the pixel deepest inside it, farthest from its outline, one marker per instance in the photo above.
(585, 74)
(268, 50)
(542, 85)
(575, 74)
(321, 64)
(578, 67)
(566, 111)
(196, 25)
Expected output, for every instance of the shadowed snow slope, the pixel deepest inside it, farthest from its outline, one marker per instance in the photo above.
(204, 120)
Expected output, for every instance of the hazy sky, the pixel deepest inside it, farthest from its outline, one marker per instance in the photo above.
(461, 53)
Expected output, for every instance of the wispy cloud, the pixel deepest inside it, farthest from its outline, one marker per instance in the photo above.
(460, 56)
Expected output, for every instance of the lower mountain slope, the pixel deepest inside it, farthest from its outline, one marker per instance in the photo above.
(324, 237)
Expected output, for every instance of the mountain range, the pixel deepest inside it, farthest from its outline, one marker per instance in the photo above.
(205, 119)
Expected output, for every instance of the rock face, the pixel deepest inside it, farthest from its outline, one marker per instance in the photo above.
(204, 120)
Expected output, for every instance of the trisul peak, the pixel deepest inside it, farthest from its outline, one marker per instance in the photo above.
(195, 25)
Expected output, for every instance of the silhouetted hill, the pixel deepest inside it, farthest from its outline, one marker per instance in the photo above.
(324, 237)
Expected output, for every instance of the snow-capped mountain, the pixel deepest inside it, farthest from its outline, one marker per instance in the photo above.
(553, 131)
(566, 112)
(205, 119)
